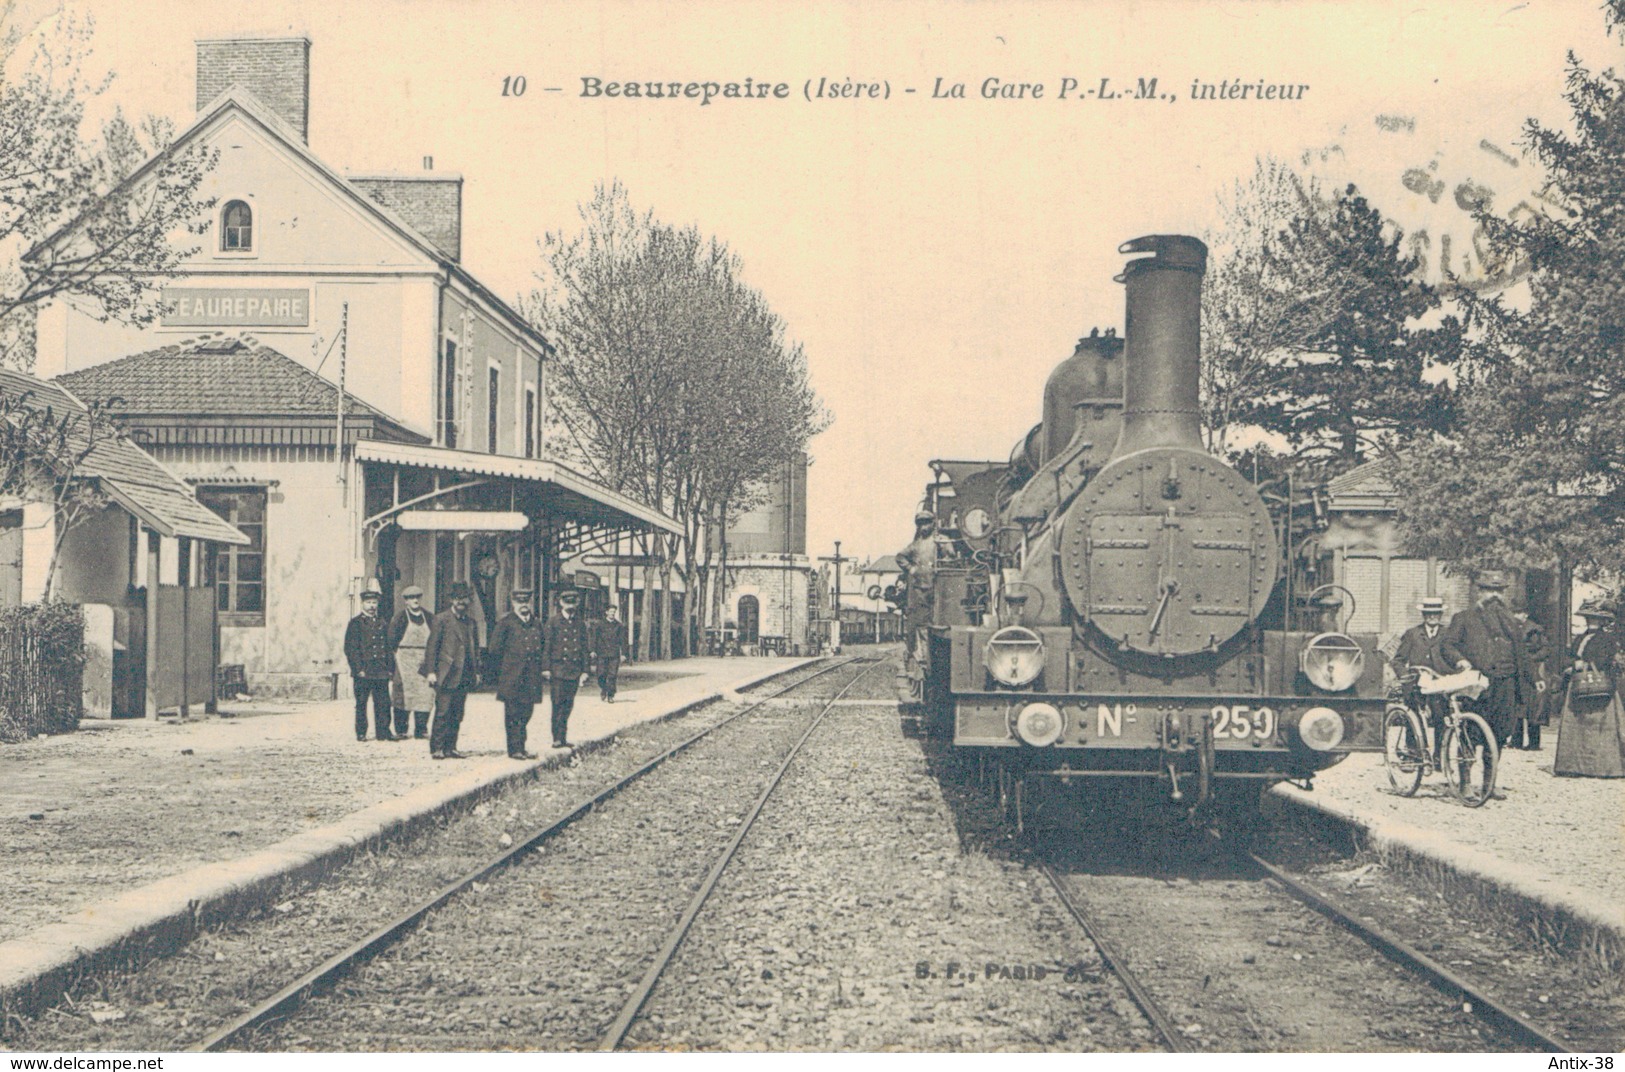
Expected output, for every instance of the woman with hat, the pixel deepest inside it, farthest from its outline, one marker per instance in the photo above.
(1591, 739)
(410, 691)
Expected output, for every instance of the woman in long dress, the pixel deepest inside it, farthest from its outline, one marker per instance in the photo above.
(410, 690)
(1591, 737)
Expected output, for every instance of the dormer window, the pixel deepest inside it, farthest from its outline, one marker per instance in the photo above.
(237, 227)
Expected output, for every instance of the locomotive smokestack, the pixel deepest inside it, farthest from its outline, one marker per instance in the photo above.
(1163, 294)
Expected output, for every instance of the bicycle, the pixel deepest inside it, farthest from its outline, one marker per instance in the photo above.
(1469, 756)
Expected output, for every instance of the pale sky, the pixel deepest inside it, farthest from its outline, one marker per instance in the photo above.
(936, 257)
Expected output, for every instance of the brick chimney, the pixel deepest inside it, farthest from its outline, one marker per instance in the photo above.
(430, 203)
(275, 70)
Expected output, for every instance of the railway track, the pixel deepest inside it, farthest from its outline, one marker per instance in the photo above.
(634, 1004)
(327, 975)
(1238, 1013)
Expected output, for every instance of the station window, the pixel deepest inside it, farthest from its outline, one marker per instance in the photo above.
(530, 422)
(492, 395)
(448, 395)
(237, 572)
(237, 227)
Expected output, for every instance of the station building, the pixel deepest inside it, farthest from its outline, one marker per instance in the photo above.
(337, 385)
(1361, 549)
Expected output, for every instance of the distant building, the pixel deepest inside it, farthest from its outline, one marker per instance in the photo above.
(884, 621)
(765, 591)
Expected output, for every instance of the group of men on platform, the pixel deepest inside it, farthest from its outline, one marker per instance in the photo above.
(1506, 647)
(418, 662)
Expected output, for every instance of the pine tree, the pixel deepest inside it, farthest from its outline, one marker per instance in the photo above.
(1536, 471)
(1360, 334)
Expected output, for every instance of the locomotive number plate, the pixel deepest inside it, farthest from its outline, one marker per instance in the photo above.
(1238, 723)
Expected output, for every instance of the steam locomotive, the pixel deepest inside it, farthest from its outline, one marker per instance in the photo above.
(1117, 608)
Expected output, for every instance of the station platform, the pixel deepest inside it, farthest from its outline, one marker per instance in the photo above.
(129, 834)
(1550, 849)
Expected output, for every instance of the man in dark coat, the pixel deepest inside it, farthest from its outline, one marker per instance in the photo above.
(608, 644)
(372, 665)
(565, 658)
(1419, 646)
(1489, 639)
(1532, 714)
(516, 651)
(450, 663)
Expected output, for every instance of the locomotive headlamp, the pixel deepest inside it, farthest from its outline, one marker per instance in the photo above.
(1320, 728)
(1040, 724)
(1014, 656)
(1332, 661)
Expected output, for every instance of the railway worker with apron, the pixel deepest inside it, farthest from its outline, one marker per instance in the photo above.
(608, 649)
(1489, 639)
(565, 661)
(1419, 646)
(411, 694)
(1591, 736)
(516, 651)
(918, 562)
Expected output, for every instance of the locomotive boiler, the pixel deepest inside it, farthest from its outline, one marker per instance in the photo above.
(1117, 607)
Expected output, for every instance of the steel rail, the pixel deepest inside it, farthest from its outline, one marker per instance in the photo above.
(340, 964)
(1396, 949)
(1119, 967)
(640, 996)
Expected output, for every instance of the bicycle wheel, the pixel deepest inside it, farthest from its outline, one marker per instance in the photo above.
(1470, 759)
(1404, 748)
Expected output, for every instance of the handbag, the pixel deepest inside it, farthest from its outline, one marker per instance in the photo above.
(1590, 684)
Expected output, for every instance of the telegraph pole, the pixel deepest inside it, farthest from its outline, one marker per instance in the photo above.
(837, 558)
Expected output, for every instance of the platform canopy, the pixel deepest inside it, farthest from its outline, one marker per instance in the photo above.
(574, 505)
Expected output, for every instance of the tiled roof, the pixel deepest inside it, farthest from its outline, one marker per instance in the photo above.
(1370, 478)
(217, 376)
(127, 473)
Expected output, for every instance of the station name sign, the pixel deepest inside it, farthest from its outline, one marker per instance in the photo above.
(236, 307)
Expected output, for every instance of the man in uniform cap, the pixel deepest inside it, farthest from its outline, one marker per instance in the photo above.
(1487, 638)
(516, 650)
(565, 658)
(450, 662)
(372, 664)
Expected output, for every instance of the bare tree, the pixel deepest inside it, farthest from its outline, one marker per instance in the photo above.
(676, 383)
(82, 217)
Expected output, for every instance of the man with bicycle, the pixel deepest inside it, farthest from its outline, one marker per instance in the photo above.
(1419, 646)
